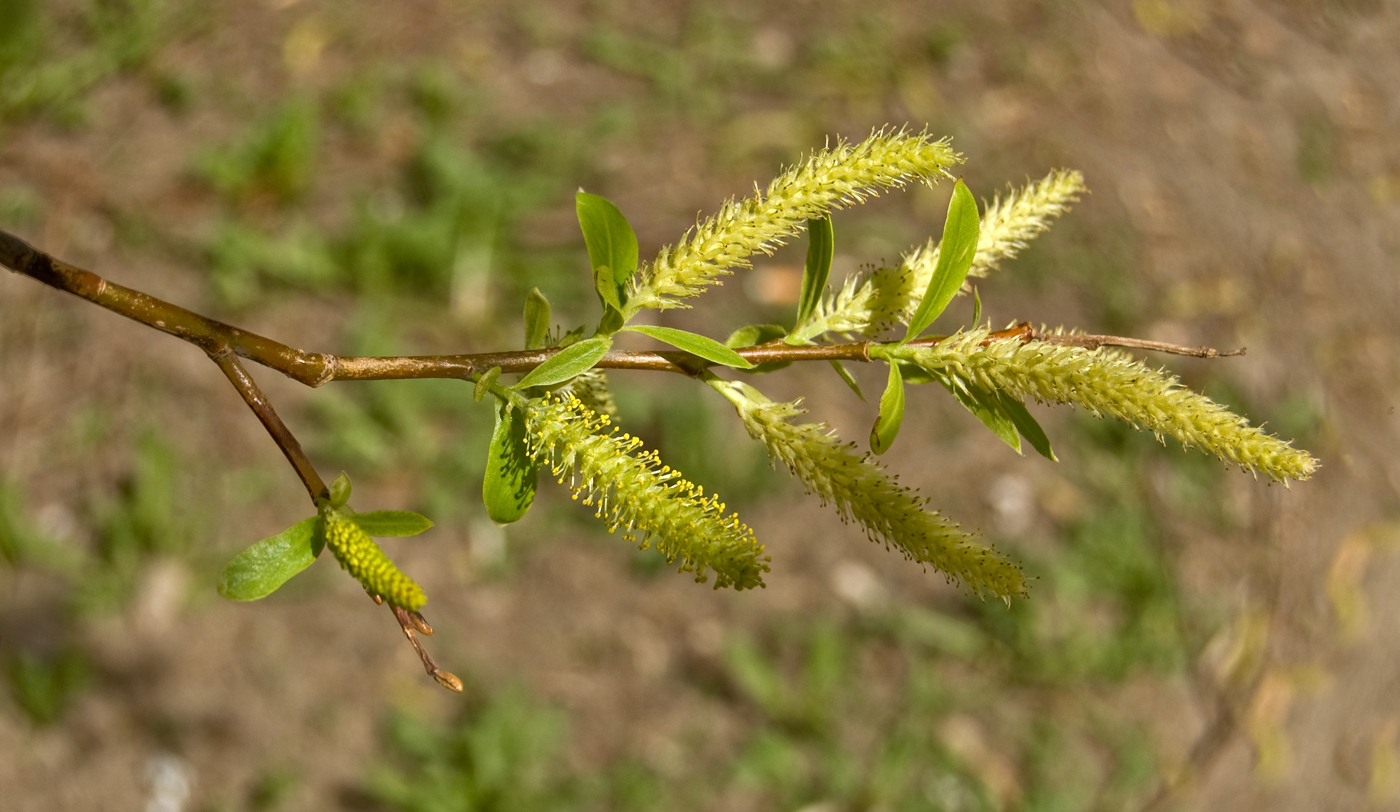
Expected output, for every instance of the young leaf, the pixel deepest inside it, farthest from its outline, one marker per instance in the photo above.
(955, 254)
(820, 244)
(537, 318)
(609, 238)
(695, 344)
(846, 376)
(988, 408)
(606, 287)
(483, 384)
(891, 413)
(1028, 426)
(752, 334)
(392, 522)
(915, 374)
(260, 569)
(567, 363)
(511, 475)
(340, 490)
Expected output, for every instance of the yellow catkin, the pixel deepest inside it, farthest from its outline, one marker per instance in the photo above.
(636, 495)
(362, 558)
(862, 491)
(829, 179)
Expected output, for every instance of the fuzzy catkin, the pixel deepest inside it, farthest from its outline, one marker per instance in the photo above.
(362, 558)
(890, 296)
(829, 179)
(635, 494)
(861, 490)
(1110, 382)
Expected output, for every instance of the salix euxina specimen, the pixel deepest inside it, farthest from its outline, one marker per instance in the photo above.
(558, 414)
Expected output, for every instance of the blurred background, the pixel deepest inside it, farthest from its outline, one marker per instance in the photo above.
(388, 177)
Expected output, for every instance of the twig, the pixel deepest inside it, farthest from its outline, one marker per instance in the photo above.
(281, 435)
(410, 621)
(1093, 342)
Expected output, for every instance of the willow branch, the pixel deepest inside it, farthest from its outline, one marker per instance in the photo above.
(316, 368)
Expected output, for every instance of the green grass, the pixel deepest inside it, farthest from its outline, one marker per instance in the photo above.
(53, 54)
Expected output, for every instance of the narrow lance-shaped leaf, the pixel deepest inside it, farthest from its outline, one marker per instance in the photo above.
(1028, 426)
(846, 376)
(987, 407)
(695, 344)
(891, 413)
(263, 567)
(537, 318)
(820, 245)
(955, 254)
(511, 475)
(567, 363)
(392, 522)
(612, 244)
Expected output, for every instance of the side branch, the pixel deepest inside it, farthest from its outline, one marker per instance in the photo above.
(281, 435)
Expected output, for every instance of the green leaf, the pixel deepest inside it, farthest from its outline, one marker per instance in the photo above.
(610, 239)
(891, 413)
(567, 363)
(976, 307)
(260, 569)
(988, 408)
(340, 490)
(820, 244)
(483, 384)
(537, 318)
(846, 376)
(1028, 426)
(573, 336)
(915, 374)
(695, 344)
(752, 334)
(511, 475)
(392, 522)
(606, 287)
(955, 255)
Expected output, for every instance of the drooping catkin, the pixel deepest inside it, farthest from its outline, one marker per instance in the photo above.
(861, 490)
(635, 494)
